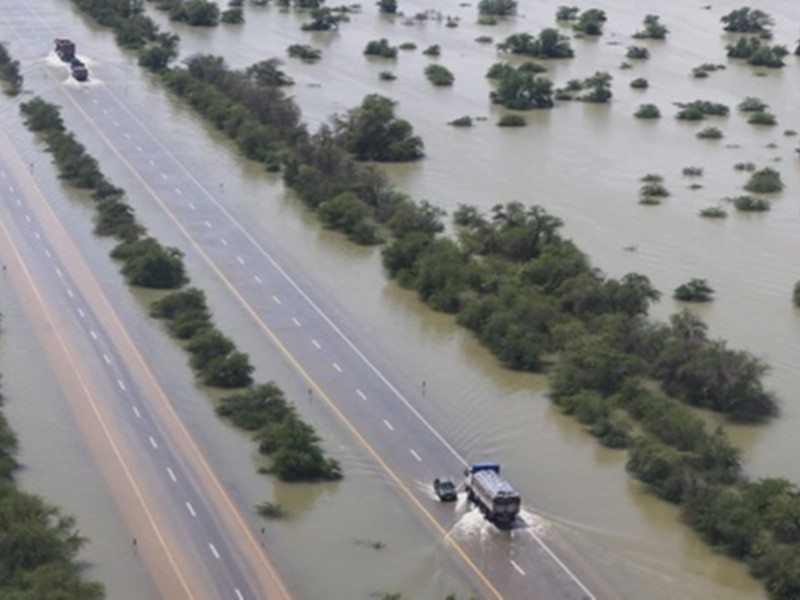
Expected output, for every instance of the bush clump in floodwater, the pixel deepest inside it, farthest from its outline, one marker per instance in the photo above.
(713, 212)
(465, 121)
(692, 171)
(747, 203)
(549, 44)
(439, 75)
(372, 132)
(640, 83)
(304, 52)
(762, 118)
(752, 104)
(700, 109)
(654, 29)
(796, 294)
(512, 121)
(388, 7)
(694, 290)
(765, 181)
(637, 53)
(322, 19)
(648, 111)
(757, 53)
(590, 22)
(594, 89)
(748, 20)
(497, 8)
(710, 133)
(433, 51)
(380, 48)
(567, 13)
(292, 445)
(9, 73)
(520, 88)
(703, 71)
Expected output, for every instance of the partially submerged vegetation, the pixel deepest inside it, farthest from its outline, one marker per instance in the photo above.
(631, 381)
(293, 447)
(9, 73)
(764, 181)
(39, 545)
(694, 290)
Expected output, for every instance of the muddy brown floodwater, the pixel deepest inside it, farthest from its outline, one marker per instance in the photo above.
(581, 162)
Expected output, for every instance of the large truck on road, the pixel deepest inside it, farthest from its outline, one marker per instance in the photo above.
(492, 493)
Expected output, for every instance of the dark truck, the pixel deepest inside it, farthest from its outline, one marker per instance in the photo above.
(492, 493)
(65, 49)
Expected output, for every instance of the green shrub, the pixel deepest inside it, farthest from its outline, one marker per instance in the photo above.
(434, 50)
(752, 104)
(465, 121)
(796, 294)
(484, 39)
(762, 118)
(637, 53)
(647, 111)
(512, 121)
(387, 76)
(590, 22)
(653, 29)
(271, 510)
(744, 166)
(710, 133)
(380, 48)
(692, 171)
(694, 290)
(407, 46)
(651, 178)
(749, 203)
(304, 52)
(699, 109)
(232, 16)
(640, 83)
(764, 181)
(497, 8)
(439, 75)
(713, 212)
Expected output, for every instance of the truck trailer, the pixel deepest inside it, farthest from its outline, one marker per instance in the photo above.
(492, 493)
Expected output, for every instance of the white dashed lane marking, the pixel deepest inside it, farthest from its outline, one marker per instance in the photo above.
(337, 367)
(224, 242)
(164, 176)
(361, 394)
(106, 358)
(59, 273)
(208, 224)
(517, 567)
(153, 443)
(136, 412)
(316, 344)
(121, 384)
(70, 293)
(388, 425)
(296, 322)
(81, 313)
(257, 278)
(37, 235)
(213, 550)
(415, 455)
(138, 148)
(178, 191)
(190, 508)
(239, 595)
(192, 206)
(171, 475)
(240, 260)
(127, 135)
(276, 300)
(93, 334)
(152, 162)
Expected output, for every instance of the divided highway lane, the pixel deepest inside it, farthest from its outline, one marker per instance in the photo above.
(208, 565)
(409, 450)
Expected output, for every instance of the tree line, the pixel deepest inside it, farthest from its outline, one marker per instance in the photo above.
(534, 300)
(9, 72)
(294, 449)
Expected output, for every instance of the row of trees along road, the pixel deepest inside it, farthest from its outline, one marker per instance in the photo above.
(536, 302)
(292, 446)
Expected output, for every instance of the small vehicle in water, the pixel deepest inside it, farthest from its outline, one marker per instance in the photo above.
(78, 70)
(445, 489)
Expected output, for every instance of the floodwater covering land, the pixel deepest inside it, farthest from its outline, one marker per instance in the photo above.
(583, 163)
